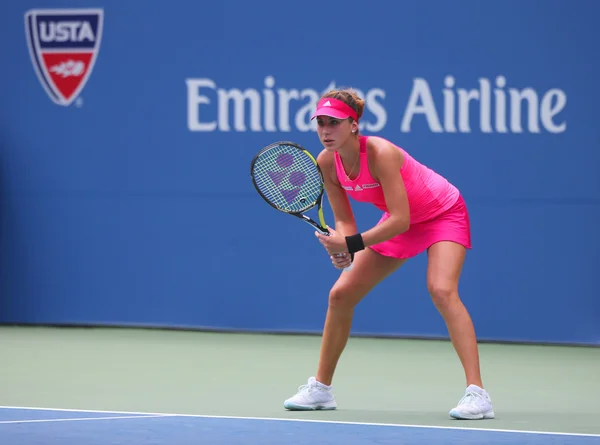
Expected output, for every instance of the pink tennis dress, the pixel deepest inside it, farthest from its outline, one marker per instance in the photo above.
(437, 209)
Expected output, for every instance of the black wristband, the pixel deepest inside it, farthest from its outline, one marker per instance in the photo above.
(355, 243)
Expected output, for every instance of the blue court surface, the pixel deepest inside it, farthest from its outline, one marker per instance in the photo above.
(32, 426)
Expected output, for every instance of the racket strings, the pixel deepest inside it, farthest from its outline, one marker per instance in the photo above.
(288, 178)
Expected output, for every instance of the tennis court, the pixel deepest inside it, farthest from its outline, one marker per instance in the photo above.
(134, 386)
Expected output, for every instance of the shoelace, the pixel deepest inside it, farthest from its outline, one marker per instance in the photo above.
(306, 388)
(471, 397)
(309, 388)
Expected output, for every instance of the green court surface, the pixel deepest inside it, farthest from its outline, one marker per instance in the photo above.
(389, 381)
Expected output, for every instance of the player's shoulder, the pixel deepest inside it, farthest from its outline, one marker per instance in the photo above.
(380, 149)
(326, 161)
(325, 158)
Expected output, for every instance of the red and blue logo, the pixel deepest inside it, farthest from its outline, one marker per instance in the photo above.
(63, 44)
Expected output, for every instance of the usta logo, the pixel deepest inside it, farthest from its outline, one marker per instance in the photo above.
(63, 45)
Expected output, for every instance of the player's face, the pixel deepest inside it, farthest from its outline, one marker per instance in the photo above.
(333, 133)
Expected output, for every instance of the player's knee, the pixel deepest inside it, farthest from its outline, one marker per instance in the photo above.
(442, 293)
(340, 297)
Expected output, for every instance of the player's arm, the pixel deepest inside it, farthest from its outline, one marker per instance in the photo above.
(345, 223)
(386, 162)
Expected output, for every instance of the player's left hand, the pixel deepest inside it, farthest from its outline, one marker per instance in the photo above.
(341, 260)
(334, 243)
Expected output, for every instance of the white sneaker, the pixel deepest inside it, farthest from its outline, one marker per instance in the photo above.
(475, 404)
(312, 396)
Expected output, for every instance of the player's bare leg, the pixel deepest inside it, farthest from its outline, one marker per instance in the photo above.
(446, 259)
(352, 286)
(369, 269)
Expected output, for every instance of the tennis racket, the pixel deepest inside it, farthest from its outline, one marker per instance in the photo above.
(288, 177)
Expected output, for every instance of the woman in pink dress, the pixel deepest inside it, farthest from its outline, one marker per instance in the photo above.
(422, 211)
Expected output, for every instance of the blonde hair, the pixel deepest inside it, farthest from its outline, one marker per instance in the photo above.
(349, 97)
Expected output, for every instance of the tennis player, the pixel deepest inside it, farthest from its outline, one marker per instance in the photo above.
(422, 211)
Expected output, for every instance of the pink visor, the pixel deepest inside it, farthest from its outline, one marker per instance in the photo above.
(334, 108)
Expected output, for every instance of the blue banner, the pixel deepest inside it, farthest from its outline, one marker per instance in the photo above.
(127, 131)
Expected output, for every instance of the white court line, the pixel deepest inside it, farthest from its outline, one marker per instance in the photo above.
(336, 422)
(76, 419)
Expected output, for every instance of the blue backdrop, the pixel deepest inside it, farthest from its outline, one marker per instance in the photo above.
(125, 189)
